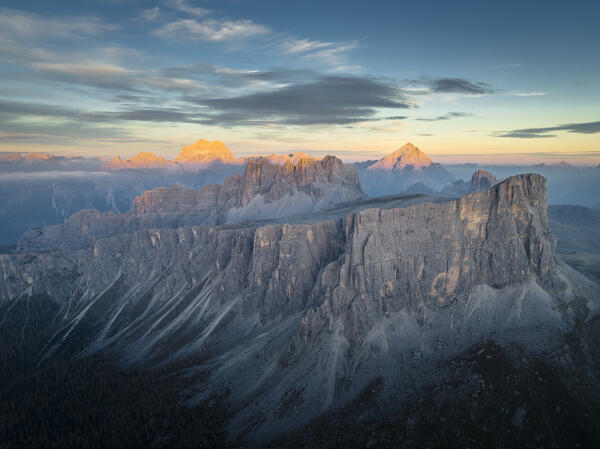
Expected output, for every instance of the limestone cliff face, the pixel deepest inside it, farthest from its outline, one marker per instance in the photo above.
(261, 192)
(308, 311)
(426, 252)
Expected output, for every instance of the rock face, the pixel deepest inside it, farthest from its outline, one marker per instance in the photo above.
(482, 180)
(293, 319)
(400, 171)
(265, 190)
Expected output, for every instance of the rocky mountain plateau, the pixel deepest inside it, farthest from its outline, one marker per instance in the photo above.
(326, 310)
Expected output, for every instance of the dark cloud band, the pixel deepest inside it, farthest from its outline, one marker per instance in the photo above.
(535, 133)
(325, 100)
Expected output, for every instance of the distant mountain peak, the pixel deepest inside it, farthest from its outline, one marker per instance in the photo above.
(201, 152)
(14, 157)
(403, 157)
(205, 151)
(562, 164)
(142, 160)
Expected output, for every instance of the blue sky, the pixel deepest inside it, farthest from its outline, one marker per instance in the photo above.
(359, 79)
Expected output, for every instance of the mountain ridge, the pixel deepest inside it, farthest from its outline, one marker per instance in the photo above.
(265, 189)
(313, 311)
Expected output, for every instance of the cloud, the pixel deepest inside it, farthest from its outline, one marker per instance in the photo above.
(303, 46)
(534, 133)
(12, 112)
(102, 75)
(183, 6)
(12, 108)
(335, 56)
(211, 30)
(459, 86)
(227, 79)
(524, 134)
(331, 53)
(112, 76)
(446, 116)
(54, 174)
(24, 25)
(173, 84)
(324, 100)
(164, 115)
(84, 70)
(46, 122)
(150, 15)
(527, 94)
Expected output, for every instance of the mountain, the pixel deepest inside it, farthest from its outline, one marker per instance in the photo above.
(201, 153)
(292, 319)
(15, 157)
(142, 160)
(401, 170)
(563, 164)
(578, 231)
(204, 151)
(408, 155)
(265, 190)
(480, 180)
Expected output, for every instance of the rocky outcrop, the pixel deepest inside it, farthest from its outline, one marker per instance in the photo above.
(265, 190)
(480, 180)
(292, 319)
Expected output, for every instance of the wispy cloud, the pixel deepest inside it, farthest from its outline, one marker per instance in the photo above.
(173, 84)
(446, 116)
(83, 70)
(150, 15)
(303, 46)
(333, 54)
(527, 94)
(211, 30)
(534, 133)
(443, 85)
(183, 6)
(24, 25)
(459, 86)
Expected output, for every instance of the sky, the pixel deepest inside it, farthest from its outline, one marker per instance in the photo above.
(463, 80)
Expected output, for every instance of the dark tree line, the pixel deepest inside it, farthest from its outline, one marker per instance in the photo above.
(89, 403)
